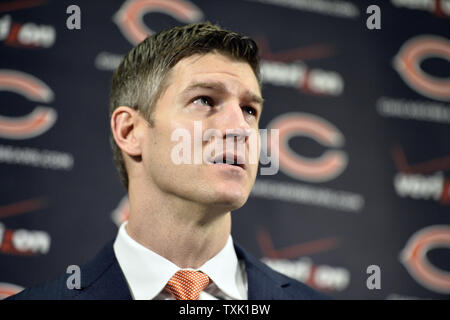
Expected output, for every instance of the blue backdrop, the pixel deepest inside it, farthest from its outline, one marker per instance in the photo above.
(364, 120)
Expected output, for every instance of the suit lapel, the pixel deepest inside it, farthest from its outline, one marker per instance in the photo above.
(103, 279)
(263, 283)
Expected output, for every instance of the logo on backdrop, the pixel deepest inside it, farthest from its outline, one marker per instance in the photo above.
(129, 18)
(329, 166)
(414, 257)
(408, 64)
(288, 69)
(334, 8)
(41, 119)
(23, 242)
(26, 35)
(440, 8)
(324, 168)
(422, 181)
(294, 261)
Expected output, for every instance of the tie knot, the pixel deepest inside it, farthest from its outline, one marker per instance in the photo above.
(187, 284)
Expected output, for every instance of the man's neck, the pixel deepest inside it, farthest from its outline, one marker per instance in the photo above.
(183, 232)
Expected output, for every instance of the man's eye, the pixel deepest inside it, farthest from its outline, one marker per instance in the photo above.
(205, 101)
(250, 110)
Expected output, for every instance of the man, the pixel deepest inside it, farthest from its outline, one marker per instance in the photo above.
(177, 243)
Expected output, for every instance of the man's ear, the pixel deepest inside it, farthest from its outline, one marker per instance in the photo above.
(124, 121)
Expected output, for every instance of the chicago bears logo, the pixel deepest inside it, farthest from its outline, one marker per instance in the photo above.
(130, 15)
(414, 257)
(40, 119)
(408, 65)
(324, 168)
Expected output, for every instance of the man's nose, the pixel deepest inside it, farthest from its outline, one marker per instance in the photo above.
(232, 122)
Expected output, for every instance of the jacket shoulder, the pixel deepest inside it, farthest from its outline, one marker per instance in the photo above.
(50, 290)
(96, 275)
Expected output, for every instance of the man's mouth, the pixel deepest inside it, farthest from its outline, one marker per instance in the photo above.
(229, 159)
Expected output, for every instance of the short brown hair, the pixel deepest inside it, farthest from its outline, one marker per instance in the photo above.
(140, 78)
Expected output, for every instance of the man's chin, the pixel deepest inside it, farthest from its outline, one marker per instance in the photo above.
(231, 200)
(227, 199)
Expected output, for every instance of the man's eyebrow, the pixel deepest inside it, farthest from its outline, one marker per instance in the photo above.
(219, 86)
(255, 98)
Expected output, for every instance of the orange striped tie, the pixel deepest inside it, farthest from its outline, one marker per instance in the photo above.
(187, 284)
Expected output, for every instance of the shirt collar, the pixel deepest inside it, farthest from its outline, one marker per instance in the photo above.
(147, 272)
(223, 270)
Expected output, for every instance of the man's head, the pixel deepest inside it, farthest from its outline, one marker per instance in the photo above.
(170, 81)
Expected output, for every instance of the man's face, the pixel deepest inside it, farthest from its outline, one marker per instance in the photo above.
(218, 93)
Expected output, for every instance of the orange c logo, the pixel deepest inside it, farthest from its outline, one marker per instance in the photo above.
(327, 167)
(129, 17)
(36, 122)
(408, 60)
(414, 257)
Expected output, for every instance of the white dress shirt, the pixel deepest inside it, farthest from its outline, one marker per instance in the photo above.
(147, 273)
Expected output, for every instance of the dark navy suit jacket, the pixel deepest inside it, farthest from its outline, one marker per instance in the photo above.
(102, 279)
